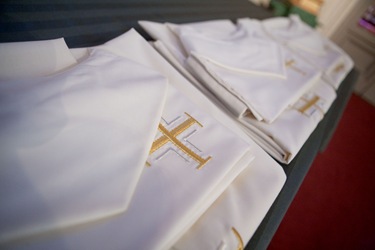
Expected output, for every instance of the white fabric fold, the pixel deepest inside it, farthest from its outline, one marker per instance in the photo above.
(166, 33)
(33, 59)
(79, 53)
(160, 31)
(286, 135)
(164, 49)
(314, 47)
(74, 144)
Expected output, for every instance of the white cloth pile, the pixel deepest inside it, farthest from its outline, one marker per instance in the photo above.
(312, 46)
(116, 150)
(276, 95)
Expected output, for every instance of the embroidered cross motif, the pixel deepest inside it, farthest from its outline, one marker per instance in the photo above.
(182, 147)
(291, 64)
(308, 104)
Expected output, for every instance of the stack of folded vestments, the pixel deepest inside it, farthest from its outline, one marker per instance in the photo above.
(114, 151)
(274, 93)
(312, 46)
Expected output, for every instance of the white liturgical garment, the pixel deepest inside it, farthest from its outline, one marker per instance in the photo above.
(256, 75)
(66, 156)
(286, 135)
(307, 42)
(185, 172)
(254, 189)
(282, 140)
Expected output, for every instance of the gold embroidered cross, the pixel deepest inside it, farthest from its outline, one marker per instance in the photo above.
(308, 102)
(291, 64)
(171, 136)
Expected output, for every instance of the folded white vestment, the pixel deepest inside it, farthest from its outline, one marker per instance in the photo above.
(314, 47)
(278, 139)
(257, 186)
(73, 147)
(177, 168)
(258, 75)
(286, 135)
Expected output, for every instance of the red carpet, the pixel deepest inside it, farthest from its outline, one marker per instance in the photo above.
(335, 206)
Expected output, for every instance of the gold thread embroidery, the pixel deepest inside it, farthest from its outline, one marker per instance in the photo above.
(239, 238)
(291, 64)
(185, 149)
(309, 104)
(170, 136)
(192, 118)
(314, 104)
(174, 132)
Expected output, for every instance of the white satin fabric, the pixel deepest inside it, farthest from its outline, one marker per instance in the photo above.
(282, 138)
(79, 53)
(245, 202)
(232, 49)
(260, 182)
(249, 70)
(74, 144)
(184, 204)
(172, 194)
(32, 59)
(163, 32)
(286, 135)
(304, 40)
(265, 97)
(241, 207)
